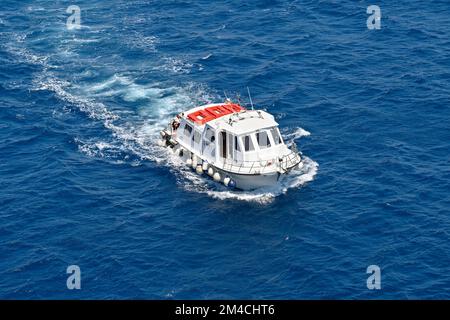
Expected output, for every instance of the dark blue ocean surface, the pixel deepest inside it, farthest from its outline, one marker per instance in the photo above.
(83, 183)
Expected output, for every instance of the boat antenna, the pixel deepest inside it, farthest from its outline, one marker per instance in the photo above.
(238, 98)
(249, 95)
(225, 93)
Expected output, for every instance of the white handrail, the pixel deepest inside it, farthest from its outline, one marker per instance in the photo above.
(288, 161)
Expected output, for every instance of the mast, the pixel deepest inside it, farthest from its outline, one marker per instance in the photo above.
(249, 95)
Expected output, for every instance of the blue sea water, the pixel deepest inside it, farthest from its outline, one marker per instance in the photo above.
(83, 183)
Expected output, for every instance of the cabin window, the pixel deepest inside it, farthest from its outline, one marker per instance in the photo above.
(209, 137)
(187, 130)
(230, 145)
(213, 146)
(276, 136)
(209, 146)
(248, 144)
(263, 139)
(236, 144)
(196, 137)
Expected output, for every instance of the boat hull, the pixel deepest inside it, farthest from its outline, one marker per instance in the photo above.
(242, 181)
(251, 181)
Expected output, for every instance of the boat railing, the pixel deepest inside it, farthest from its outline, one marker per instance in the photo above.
(283, 163)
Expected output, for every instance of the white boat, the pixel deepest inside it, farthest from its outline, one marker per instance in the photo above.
(238, 147)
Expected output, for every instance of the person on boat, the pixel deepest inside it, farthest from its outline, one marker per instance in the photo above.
(176, 123)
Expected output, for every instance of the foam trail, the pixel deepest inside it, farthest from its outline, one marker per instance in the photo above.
(138, 130)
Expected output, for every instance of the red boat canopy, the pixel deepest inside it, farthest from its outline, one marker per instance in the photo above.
(210, 113)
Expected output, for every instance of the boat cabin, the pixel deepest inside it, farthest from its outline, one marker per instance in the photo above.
(229, 134)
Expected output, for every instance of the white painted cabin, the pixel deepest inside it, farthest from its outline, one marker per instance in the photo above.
(235, 141)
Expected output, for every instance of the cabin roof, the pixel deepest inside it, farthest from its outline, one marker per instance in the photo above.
(210, 112)
(245, 122)
(230, 117)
